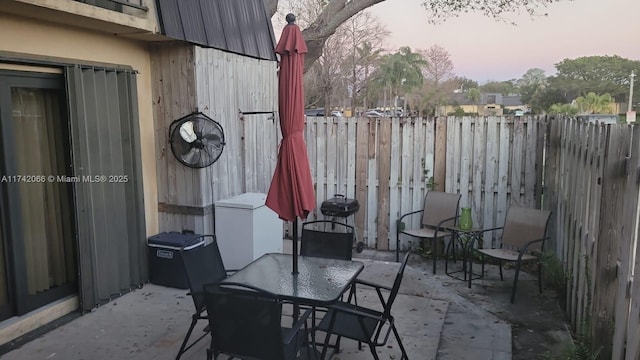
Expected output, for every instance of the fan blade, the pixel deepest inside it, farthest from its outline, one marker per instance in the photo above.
(192, 157)
(212, 140)
(187, 133)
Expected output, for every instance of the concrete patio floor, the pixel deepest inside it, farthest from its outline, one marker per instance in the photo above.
(434, 321)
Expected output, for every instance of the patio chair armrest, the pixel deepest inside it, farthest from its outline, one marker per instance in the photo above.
(439, 225)
(371, 284)
(302, 320)
(487, 230)
(526, 246)
(477, 236)
(357, 312)
(410, 213)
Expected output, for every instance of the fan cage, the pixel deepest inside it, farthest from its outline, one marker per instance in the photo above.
(198, 153)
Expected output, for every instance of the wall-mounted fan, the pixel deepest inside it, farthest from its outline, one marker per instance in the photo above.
(196, 140)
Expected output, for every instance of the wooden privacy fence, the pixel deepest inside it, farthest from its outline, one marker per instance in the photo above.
(388, 165)
(592, 181)
(494, 163)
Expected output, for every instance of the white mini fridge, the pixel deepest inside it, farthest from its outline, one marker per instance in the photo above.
(246, 229)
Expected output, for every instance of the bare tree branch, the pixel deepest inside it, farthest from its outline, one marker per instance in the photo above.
(336, 12)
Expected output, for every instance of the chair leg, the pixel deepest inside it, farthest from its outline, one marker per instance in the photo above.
(540, 277)
(500, 265)
(515, 282)
(404, 353)
(434, 253)
(373, 351)
(397, 244)
(183, 347)
(470, 255)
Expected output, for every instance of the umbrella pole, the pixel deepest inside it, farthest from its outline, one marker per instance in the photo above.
(295, 246)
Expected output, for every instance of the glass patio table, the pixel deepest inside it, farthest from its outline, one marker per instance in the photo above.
(319, 282)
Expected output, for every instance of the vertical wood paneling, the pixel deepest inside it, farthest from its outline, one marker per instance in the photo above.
(351, 159)
(534, 147)
(372, 185)
(440, 167)
(465, 162)
(517, 162)
(362, 157)
(503, 175)
(384, 174)
(490, 179)
(418, 176)
(479, 161)
(452, 152)
(406, 204)
(394, 181)
(341, 173)
(321, 160)
(332, 157)
(311, 135)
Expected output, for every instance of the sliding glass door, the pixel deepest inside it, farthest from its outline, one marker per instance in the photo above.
(37, 229)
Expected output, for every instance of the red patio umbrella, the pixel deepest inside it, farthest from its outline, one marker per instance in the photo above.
(291, 193)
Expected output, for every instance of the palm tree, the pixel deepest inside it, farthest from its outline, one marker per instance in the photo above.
(402, 70)
(593, 103)
(563, 109)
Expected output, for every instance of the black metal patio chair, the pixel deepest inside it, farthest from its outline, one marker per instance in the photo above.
(246, 324)
(522, 240)
(203, 266)
(364, 324)
(439, 211)
(327, 239)
(330, 240)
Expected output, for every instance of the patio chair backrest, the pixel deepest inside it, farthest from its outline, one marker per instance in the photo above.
(203, 266)
(439, 206)
(244, 324)
(523, 225)
(396, 286)
(335, 244)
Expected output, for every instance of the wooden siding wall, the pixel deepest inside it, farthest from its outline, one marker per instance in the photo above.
(222, 86)
(592, 175)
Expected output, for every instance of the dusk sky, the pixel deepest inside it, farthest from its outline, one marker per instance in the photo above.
(483, 49)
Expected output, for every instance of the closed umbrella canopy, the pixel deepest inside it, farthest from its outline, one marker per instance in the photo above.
(291, 193)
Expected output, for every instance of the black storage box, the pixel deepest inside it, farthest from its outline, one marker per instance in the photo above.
(339, 206)
(165, 261)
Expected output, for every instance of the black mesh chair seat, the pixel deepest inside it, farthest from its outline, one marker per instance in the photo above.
(364, 324)
(246, 324)
(354, 322)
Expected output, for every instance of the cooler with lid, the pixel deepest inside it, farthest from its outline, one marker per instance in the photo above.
(165, 260)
